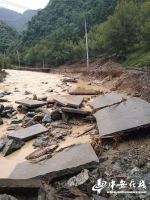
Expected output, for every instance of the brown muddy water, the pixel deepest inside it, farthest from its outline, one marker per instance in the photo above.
(36, 83)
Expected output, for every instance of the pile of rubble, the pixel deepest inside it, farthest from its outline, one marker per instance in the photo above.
(77, 171)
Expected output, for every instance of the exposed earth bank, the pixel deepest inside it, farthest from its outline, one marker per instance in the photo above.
(111, 75)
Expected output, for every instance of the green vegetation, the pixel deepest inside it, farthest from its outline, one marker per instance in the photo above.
(115, 27)
(7, 35)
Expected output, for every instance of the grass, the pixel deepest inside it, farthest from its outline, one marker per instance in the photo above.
(140, 58)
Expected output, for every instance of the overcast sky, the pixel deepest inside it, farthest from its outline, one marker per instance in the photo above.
(32, 4)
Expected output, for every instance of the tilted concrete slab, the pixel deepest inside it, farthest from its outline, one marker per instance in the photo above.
(69, 100)
(76, 102)
(77, 111)
(66, 162)
(106, 100)
(28, 133)
(126, 116)
(82, 91)
(30, 103)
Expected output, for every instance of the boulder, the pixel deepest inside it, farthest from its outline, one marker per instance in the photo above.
(11, 146)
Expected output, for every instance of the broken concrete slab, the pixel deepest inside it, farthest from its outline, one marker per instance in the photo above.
(30, 103)
(77, 111)
(11, 146)
(76, 102)
(82, 91)
(19, 184)
(124, 117)
(28, 133)
(57, 166)
(106, 100)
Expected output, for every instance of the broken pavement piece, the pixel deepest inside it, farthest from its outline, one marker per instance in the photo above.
(82, 91)
(27, 134)
(77, 111)
(30, 103)
(63, 163)
(76, 102)
(124, 117)
(105, 100)
(11, 146)
(79, 179)
(70, 80)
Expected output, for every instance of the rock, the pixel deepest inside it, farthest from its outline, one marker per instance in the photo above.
(47, 119)
(34, 97)
(31, 114)
(7, 197)
(30, 123)
(16, 121)
(42, 110)
(44, 98)
(6, 93)
(50, 90)
(80, 179)
(14, 113)
(1, 121)
(27, 93)
(9, 107)
(11, 146)
(136, 95)
(2, 143)
(38, 142)
(38, 117)
(11, 128)
(15, 117)
(3, 100)
(136, 169)
(56, 115)
(22, 109)
(66, 117)
(98, 197)
(1, 95)
(8, 115)
(1, 108)
(51, 102)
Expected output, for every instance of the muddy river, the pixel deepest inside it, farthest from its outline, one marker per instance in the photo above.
(36, 83)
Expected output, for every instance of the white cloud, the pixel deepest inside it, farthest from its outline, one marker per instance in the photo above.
(32, 4)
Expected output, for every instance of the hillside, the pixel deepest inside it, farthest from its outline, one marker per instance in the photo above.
(16, 20)
(7, 35)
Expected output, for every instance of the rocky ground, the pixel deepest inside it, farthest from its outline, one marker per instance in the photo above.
(127, 160)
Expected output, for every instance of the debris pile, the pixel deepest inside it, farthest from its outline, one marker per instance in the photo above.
(72, 171)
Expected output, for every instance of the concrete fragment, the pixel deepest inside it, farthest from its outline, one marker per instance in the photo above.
(57, 166)
(82, 91)
(78, 111)
(76, 102)
(106, 100)
(80, 179)
(28, 133)
(128, 116)
(30, 103)
(11, 146)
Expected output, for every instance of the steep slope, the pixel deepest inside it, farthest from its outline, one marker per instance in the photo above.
(7, 35)
(59, 13)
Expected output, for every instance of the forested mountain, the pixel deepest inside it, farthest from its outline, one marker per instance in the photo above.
(7, 35)
(16, 20)
(56, 34)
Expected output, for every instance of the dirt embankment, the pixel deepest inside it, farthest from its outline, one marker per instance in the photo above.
(112, 76)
